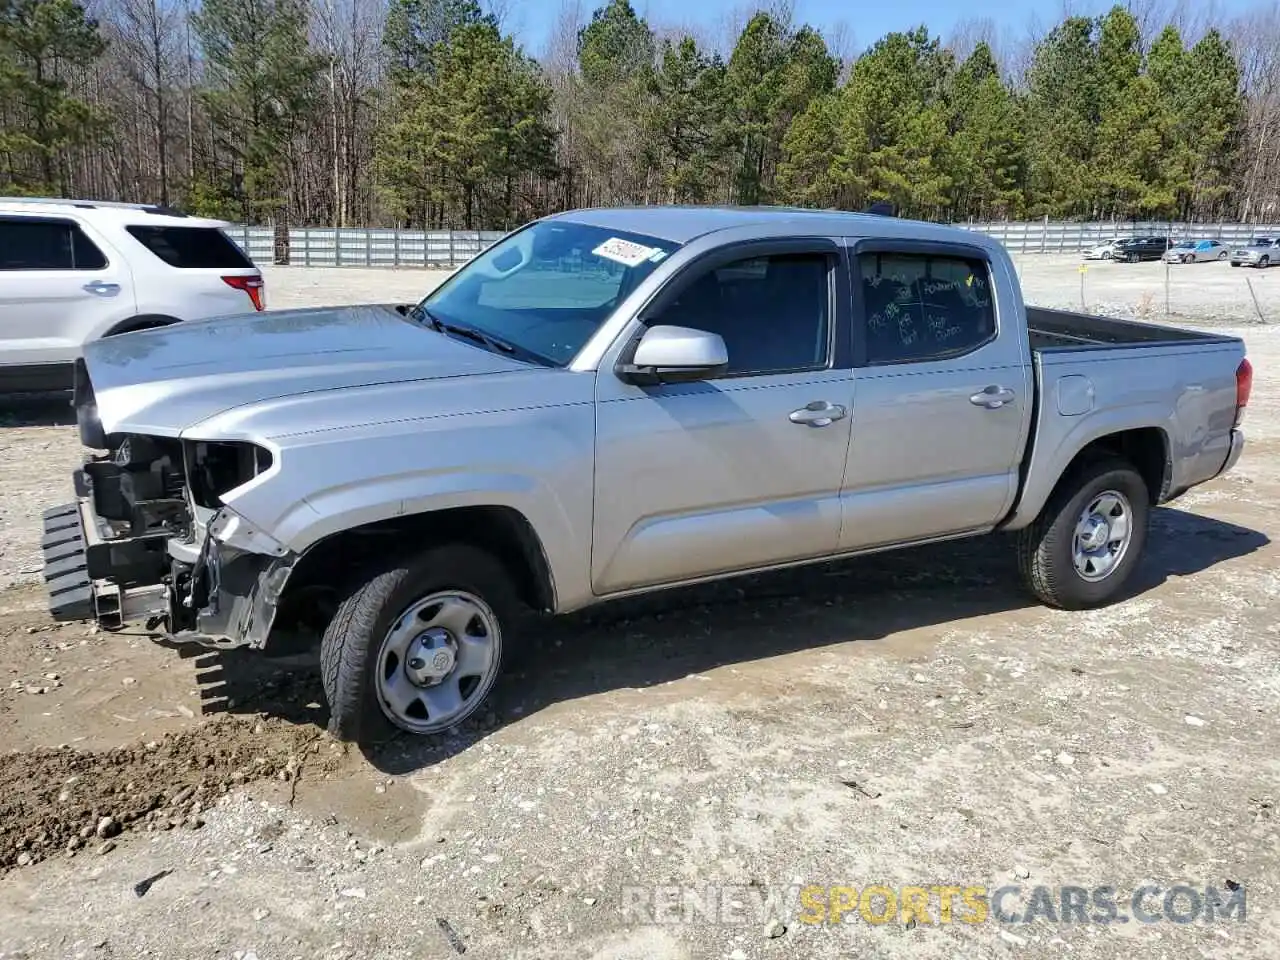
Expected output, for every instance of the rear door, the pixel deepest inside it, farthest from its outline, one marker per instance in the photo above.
(744, 470)
(942, 381)
(197, 270)
(59, 280)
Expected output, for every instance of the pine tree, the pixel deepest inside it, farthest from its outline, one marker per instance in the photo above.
(1214, 113)
(807, 175)
(987, 147)
(893, 131)
(688, 106)
(1131, 135)
(415, 27)
(771, 78)
(616, 46)
(479, 124)
(262, 87)
(41, 118)
(1131, 154)
(1062, 119)
(614, 101)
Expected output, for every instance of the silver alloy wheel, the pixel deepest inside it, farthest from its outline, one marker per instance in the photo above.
(437, 661)
(1102, 536)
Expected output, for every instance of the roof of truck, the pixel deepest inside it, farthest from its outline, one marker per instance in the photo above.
(680, 224)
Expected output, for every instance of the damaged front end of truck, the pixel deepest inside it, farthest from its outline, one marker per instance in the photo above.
(148, 539)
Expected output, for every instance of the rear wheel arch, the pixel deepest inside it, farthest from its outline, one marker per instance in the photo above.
(1146, 448)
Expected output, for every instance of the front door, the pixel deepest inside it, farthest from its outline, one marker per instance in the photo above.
(56, 284)
(744, 470)
(943, 396)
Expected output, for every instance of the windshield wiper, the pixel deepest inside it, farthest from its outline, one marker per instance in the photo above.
(477, 336)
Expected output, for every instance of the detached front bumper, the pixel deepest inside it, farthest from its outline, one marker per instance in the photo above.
(66, 565)
(226, 598)
(89, 577)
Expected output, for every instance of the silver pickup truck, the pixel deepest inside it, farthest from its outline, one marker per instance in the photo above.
(610, 402)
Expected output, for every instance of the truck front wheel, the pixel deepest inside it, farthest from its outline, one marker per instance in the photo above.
(416, 645)
(1086, 542)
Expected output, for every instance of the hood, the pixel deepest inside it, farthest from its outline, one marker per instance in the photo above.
(164, 381)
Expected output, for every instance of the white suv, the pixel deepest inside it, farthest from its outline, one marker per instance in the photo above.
(72, 271)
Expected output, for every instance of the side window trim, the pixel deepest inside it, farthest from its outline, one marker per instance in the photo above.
(839, 354)
(920, 248)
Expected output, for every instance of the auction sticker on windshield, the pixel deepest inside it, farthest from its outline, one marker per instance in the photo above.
(624, 251)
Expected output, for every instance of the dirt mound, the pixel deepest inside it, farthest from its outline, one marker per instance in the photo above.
(60, 801)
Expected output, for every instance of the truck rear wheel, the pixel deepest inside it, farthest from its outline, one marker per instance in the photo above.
(1088, 538)
(417, 644)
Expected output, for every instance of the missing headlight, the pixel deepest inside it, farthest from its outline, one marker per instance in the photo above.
(216, 467)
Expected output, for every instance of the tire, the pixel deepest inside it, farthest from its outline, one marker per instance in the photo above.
(1046, 548)
(1106, 254)
(437, 588)
(1235, 263)
(1189, 258)
(1264, 263)
(1134, 258)
(1222, 255)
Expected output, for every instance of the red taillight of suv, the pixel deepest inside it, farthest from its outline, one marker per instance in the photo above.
(253, 286)
(1244, 387)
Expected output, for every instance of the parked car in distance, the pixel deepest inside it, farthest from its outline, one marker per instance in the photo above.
(1141, 248)
(74, 271)
(1197, 251)
(611, 402)
(1105, 250)
(1259, 252)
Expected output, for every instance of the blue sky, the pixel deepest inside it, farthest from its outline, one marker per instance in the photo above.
(860, 22)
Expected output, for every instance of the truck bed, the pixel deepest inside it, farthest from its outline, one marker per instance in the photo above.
(1062, 330)
(1097, 376)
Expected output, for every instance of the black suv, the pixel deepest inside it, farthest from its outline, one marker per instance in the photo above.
(1142, 248)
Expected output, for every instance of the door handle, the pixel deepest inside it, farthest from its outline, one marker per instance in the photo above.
(102, 288)
(992, 397)
(818, 413)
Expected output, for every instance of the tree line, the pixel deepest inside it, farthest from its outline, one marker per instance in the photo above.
(429, 113)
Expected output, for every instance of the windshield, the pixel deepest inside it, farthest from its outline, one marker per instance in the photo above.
(547, 288)
(1260, 242)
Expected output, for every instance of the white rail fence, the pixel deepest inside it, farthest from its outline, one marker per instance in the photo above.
(442, 249)
(360, 247)
(1051, 236)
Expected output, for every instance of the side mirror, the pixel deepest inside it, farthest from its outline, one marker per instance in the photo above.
(675, 355)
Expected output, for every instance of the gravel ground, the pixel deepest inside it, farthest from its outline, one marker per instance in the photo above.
(905, 720)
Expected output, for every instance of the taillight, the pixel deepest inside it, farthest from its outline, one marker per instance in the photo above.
(1244, 387)
(252, 286)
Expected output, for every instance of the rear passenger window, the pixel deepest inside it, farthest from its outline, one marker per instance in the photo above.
(924, 307)
(774, 313)
(191, 248)
(47, 245)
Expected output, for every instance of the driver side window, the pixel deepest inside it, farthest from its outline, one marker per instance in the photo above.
(773, 312)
